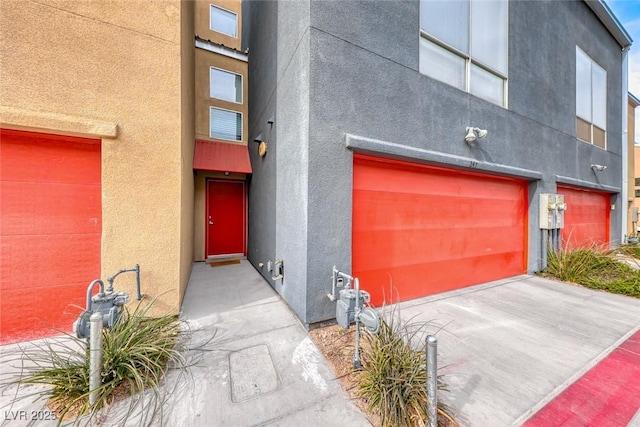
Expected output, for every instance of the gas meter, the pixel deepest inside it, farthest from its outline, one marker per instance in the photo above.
(107, 302)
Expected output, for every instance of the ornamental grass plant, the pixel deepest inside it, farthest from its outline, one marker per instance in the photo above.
(632, 251)
(393, 377)
(593, 268)
(137, 352)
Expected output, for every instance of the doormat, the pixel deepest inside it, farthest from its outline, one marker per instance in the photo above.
(223, 262)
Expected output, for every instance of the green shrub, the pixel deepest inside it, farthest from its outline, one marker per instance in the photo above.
(593, 269)
(393, 377)
(630, 250)
(136, 353)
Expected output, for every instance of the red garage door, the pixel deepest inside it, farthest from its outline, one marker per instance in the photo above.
(50, 230)
(427, 230)
(586, 220)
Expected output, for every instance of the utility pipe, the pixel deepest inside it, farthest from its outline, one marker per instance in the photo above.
(624, 193)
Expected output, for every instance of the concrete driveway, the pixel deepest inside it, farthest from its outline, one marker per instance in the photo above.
(510, 347)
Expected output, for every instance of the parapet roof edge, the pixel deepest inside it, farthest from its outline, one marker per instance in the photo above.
(608, 18)
(221, 49)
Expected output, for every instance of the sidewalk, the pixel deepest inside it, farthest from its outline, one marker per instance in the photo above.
(263, 370)
(508, 348)
(260, 369)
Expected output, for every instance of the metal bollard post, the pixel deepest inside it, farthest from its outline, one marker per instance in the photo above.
(432, 380)
(357, 364)
(95, 356)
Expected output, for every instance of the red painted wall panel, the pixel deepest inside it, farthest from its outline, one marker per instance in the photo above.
(429, 230)
(587, 217)
(50, 229)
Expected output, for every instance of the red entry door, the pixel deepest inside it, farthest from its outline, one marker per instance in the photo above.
(225, 218)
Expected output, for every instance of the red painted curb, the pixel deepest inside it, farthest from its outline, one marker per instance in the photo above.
(607, 395)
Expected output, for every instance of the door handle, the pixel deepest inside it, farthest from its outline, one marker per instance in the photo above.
(210, 222)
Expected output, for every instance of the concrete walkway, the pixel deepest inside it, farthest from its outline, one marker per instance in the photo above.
(507, 348)
(263, 368)
(510, 347)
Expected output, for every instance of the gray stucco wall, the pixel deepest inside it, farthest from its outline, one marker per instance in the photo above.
(278, 191)
(349, 76)
(365, 82)
(261, 17)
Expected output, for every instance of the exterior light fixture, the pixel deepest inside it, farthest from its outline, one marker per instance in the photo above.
(598, 168)
(473, 133)
(262, 145)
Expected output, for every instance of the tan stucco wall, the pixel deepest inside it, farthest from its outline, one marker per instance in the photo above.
(200, 208)
(204, 61)
(114, 63)
(635, 153)
(202, 8)
(188, 141)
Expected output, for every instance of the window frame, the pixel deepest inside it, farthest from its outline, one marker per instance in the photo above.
(229, 72)
(211, 107)
(590, 122)
(211, 6)
(469, 60)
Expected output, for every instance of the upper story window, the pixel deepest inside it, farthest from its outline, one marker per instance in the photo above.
(225, 85)
(225, 124)
(223, 21)
(465, 43)
(591, 100)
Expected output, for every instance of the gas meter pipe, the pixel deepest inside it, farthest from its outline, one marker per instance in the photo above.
(90, 291)
(135, 269)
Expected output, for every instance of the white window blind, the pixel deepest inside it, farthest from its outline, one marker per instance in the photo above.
(583, 85)
(599, 94)
(224, 21)
(225, 124)
(465, 44)
(225, 85)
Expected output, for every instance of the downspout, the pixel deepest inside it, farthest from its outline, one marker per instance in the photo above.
(625, 146)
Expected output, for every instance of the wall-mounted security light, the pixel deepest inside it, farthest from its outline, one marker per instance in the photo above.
(473, 133)
(598, 168)
(262, 145)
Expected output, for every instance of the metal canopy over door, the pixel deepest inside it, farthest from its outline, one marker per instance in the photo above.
(587, 218)
(225, 218)
(421, 230)
(50, 231)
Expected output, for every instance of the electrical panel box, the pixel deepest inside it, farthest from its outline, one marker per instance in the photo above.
(552, 208)
(634, 215)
